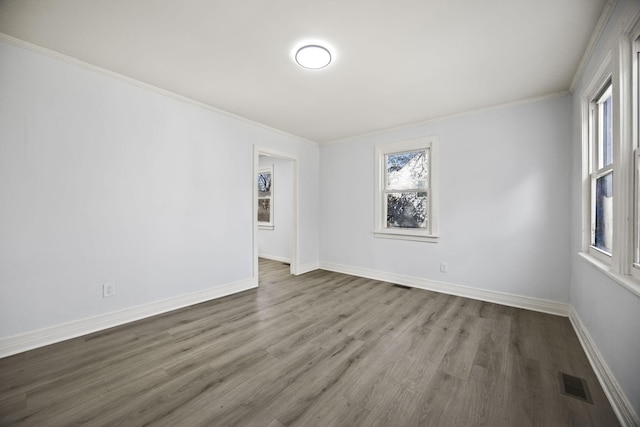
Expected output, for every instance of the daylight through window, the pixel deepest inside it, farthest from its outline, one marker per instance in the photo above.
(611, 165)
(407, 195)
(602, 172)
(407, 189)
(265, 198)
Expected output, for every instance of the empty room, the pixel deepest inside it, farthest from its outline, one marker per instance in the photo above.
(292, 213)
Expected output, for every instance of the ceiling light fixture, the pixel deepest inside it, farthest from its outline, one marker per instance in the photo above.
(313, 57)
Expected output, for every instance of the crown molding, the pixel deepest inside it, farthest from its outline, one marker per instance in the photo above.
(607, 11)
(164, 92)
(500, 106)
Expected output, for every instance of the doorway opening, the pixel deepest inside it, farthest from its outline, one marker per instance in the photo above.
(275, 208)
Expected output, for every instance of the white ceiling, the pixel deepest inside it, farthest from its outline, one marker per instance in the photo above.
(395, 62)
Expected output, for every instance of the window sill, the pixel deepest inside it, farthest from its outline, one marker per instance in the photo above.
(630, 283)
(404, 236)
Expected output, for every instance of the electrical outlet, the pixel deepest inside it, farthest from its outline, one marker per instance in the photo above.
(444, 267)
(108, 289)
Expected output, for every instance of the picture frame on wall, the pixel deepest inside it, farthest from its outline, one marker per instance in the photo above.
(265, 198)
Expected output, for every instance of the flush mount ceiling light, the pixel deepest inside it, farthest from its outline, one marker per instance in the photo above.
(313, 57)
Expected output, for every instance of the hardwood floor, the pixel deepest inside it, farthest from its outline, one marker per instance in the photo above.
(321, 349)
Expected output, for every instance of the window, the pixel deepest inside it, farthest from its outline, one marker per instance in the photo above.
(265, 198)
(636, 257)
(611, 165)
(602, 171)
(635, 265)
(631, 156)
(407, 190)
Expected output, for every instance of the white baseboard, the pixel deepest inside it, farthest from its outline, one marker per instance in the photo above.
(529, 303)
(619, 402)
(51, 335)
(305, 268)
(275, 258)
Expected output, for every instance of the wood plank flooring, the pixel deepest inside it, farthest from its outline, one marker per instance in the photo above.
(321, 349)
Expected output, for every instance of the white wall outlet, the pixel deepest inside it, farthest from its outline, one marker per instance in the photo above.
(444, 267)
(108, 289)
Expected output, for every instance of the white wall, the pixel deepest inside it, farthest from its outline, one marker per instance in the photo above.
(610, 313)
(276, 243)
(504, 217)
(105, 180)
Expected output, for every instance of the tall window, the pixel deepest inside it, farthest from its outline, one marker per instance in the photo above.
(602, 171)
(636, 257)
(611, 164)
(635, 267)
(407, 190)
(630, 156)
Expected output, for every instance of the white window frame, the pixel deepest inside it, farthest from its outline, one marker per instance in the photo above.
(592, 92)
(632, 262)
(635, 261)
(431, 234)
(621, 66)
(597, 171)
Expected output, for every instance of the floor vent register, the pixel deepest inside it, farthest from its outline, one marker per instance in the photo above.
(575, 387)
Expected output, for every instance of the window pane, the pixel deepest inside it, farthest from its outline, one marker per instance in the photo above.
(264, 184)
(409, 170)
(637, 254)
(407, 210)
(636, 258)
(603, 232)
(264, 210)
(606, 130)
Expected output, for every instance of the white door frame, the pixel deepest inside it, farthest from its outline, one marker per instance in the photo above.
(264, 151)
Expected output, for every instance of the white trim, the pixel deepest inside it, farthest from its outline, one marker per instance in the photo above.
(306, 268)
(595, 36)
(265, 151)
(603, 76)
(511, 300)
(399, 235)
(623, 153)
(97, 69)
(94, 68)
(619, 401)
(630, 264)
(393, 130)
(275, 258)
(54, 334)
(430, 234)
(627, 282)
(635, 241)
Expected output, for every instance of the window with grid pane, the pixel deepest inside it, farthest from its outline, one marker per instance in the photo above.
(602, 173)
(636, 255)
(611, 164)
(406, 190)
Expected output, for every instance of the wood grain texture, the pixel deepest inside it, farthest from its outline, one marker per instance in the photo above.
(321, 349)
